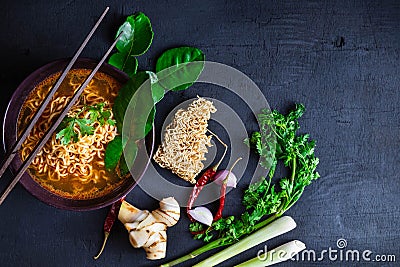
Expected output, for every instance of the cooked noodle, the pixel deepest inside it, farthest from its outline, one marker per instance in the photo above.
(80, 162)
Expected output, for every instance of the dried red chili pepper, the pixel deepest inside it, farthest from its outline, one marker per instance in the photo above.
(202, 181)
(218, 215)
(109, 222)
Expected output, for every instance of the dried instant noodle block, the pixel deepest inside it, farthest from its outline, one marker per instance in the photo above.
(185, 140)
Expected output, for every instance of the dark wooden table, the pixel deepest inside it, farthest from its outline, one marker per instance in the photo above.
(340, 58)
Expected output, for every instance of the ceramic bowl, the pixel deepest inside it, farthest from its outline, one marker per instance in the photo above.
(10, 134)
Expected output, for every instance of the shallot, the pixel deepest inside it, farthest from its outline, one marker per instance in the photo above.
(202, 215)
(225, 174)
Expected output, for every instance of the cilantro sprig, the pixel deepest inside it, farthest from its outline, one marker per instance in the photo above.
(67, 132)
(97, 113)
(266, 199)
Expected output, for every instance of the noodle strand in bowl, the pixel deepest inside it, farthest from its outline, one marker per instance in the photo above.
(75, 170)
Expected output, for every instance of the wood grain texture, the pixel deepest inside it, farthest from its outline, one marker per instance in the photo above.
(340, 58)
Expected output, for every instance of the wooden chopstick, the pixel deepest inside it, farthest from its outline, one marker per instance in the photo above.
(54, 126)
(13, 151)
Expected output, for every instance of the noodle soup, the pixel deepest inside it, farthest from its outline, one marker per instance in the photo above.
(74, 170)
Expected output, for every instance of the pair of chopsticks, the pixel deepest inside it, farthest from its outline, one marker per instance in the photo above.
(13, 151)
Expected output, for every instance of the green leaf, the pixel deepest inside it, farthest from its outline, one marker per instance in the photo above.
(174, 67)
(64, 123)
(196, 227)
(136, 39)
(115, 156)
(137, 36)
(85, 126)
(157, 90)
(139, 107)
(105, 114)
(113, 153)
(110, 122)
(125, 62)
(65, 135)
(157, 93)
(125, 96)
(143, 104)
(123, 168)
(97, 113)
(129, 157)
(150, 121)
(66, 131)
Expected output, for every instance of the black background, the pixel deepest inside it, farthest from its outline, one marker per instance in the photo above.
(339, 58)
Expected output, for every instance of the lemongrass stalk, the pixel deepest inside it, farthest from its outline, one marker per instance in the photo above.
(220, 242)
(276, 255)
(276, 228)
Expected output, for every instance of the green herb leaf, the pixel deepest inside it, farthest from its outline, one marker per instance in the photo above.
(122, 167)
(137, 36)
(140, 104)
(85, 126)
(196, 227)
(157, 90)
(135, 40)
(66, 134)
(64, 124)
(110, 122)
(126, 63)
(113, 153)
(129, 92)
(97, 113)
(174, 67)
(150, 121)
(66, 129)
(129, 157)
(143, 104)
